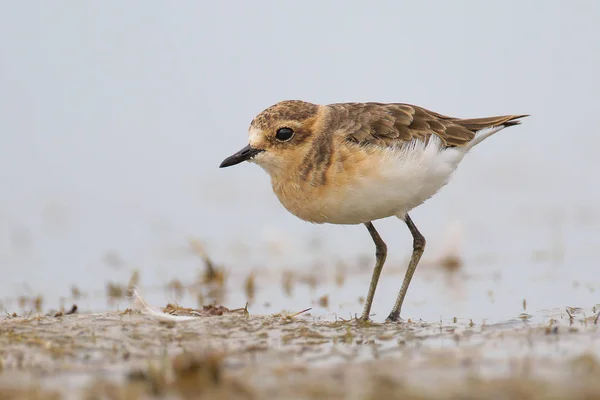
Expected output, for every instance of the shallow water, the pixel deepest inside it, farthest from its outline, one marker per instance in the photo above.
(546, 262)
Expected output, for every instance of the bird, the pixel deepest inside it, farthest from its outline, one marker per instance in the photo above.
(355, 163)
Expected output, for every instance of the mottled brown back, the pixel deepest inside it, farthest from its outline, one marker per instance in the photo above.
(395, 124)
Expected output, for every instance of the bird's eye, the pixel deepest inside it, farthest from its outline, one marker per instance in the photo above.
(284, 134)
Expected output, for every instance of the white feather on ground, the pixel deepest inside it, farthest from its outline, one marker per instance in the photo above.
(155, 312)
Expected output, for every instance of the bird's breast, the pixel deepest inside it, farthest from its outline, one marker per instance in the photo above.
(366, 184)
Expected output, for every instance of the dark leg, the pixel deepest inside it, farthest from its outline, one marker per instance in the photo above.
(418, 248)
(380, 255)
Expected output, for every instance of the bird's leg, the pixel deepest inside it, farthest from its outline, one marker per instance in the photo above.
(380, 255)
(418, 248)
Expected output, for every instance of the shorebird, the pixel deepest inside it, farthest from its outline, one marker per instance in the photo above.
(354, 163)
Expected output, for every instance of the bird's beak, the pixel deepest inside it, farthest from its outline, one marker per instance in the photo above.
(244, 154)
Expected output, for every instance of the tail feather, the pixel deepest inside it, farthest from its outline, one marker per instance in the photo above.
(486, 127)
(477, 124)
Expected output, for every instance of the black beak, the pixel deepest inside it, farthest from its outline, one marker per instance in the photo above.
(244, 154)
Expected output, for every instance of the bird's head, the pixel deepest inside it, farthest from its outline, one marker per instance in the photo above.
(280, 137)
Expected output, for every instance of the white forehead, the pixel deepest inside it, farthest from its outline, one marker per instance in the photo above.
(254, 135)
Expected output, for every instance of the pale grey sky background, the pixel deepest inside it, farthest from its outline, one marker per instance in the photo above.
(114, 117)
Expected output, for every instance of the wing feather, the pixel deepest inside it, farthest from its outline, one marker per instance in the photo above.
(397, 123)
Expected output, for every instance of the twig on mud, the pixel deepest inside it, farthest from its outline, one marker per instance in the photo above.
(243, 309)
(569, 314)
(73, 310)
(300, 312)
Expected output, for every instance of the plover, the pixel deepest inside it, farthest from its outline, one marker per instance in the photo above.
(354, 163)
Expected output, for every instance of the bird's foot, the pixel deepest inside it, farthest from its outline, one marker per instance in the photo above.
(394, 318)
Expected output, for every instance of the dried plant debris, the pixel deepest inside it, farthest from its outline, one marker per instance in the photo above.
(134, 281)
(212, 273)
(176, 288)
(115, 291)
(177, 313)
(34, 304)
(71, 311)
(143, 307)
(287, 316)
(324, 301)
(250, 286)
(76, 293)
(309, 279)
(205, 311)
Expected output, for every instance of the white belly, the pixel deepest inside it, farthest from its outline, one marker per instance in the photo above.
(399, 180)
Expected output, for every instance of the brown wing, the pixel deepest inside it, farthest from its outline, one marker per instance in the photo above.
(393, 124)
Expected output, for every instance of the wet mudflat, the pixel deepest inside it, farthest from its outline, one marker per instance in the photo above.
(221, 353)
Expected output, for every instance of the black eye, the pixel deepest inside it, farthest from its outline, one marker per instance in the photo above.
(284, 134)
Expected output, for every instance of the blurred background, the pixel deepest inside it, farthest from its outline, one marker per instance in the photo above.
(114, 117)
